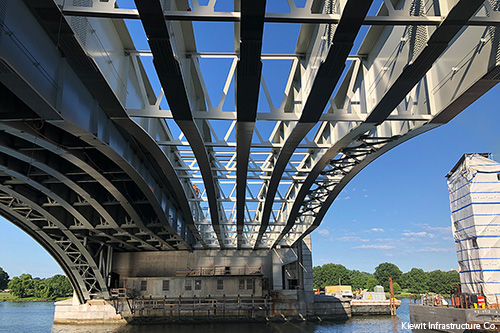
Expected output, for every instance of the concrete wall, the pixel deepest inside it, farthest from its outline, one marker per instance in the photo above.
(278, 268)
(171, 264)
(208, 286)
(168, 263)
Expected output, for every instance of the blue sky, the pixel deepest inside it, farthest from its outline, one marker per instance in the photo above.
(395, 210)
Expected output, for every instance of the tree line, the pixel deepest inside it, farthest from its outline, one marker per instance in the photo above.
(414, 281)
(26, 286)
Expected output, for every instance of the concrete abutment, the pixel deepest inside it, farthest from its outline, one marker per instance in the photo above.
(212, 285)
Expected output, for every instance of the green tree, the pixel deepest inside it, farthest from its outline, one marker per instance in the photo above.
(4, 279)
(329, 275)
(386, 270)
(396, 288)
(442, 282)
(358, 279)
(60, 286)
(416, 281)
(22, 286)
(43, 290)
(371, 283)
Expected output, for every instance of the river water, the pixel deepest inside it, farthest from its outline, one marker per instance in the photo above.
(37, 317)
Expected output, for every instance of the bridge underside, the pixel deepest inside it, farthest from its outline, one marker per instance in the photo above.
(113, 153)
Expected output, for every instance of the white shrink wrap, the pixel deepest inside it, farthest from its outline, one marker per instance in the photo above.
(474, 185)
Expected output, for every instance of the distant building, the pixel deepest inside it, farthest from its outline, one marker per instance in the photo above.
(474, 186)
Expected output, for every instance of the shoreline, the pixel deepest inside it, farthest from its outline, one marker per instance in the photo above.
(10, 298)
(33, 300)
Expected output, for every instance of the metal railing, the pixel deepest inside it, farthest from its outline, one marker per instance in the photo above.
(218, 271)
(240, 306)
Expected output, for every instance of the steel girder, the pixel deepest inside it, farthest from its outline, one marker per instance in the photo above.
(363, 143)
(45, 173)
(111, 141)
(326, 79)
(248, 75)
(100, 88)
(421, 63)
(72, 251)
(169, 73)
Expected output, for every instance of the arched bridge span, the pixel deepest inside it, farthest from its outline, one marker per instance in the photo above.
(95, 159)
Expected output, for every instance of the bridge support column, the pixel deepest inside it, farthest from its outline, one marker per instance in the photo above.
(70, 311)
(277, 271)
(305, 259)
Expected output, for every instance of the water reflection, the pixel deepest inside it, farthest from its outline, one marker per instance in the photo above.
(37, 317)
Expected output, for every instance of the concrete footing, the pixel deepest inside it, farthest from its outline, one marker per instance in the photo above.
(372, 307)
(92, 312)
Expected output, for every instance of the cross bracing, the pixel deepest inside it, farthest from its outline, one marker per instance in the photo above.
(174, 145)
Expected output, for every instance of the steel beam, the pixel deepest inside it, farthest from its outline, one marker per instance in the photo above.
(68, 251)
(88, 71)
(36, 163)
(169, 73)
(248, 73)
(398, 89)
(325, 81)
(303, 17)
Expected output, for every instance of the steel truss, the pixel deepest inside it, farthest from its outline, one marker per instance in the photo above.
(235, 176)
(85, 260)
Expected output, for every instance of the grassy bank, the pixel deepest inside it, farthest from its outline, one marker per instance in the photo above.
(8, 297)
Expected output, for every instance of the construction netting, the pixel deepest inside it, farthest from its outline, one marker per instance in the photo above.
(474, 185)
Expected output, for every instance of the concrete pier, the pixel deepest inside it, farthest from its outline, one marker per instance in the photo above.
(281, 306)
(210, 285)
(92, 312)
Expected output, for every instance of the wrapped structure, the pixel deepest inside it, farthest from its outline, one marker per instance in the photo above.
(474, 186)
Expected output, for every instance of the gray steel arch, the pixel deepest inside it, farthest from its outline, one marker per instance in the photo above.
(169, 73)
(67, 249)
(58, 134)
(39, 164)
(117, 114)
(89, 73)
(78, 160)
(485, 83)
(12, 167)
(329, 72)
(409, 77)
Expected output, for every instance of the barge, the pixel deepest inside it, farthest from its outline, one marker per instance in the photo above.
(474, 186)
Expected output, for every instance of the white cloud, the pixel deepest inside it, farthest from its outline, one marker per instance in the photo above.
(323, 232)
(377, 230)
(433, 249)
(352, 239)
(418, 234)
(347, 198)
(385, 240)
(375, 247)
(444, 230)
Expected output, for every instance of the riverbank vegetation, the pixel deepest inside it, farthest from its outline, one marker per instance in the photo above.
(27, 288)
(415, 281)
